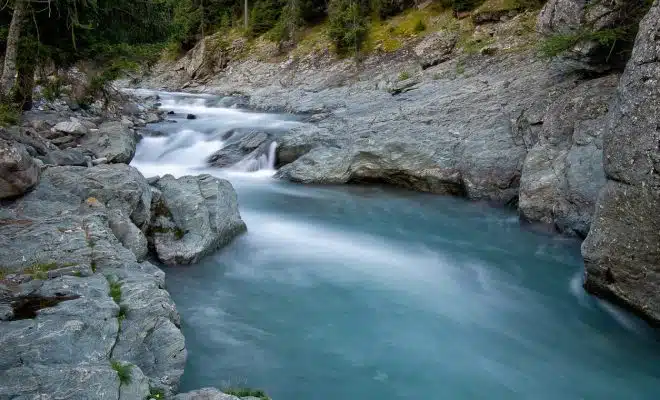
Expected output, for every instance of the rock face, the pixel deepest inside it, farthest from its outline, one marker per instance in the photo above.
(428, 138)
(61, 256)
(192, 217)
(18, 171)
(622, 251)
(563, 171)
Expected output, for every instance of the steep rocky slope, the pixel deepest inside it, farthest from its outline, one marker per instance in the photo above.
(622, 251)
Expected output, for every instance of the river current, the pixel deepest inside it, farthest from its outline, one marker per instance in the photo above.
(371, 293)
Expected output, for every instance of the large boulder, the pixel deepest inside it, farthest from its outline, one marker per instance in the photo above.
(563, 171)
(192, 217)
(622, 251)
(63, 247)
(18, 171)
(114, 141)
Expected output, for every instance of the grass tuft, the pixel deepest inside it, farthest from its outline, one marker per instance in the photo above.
(123, 371)
(115, 290)
(247, 392)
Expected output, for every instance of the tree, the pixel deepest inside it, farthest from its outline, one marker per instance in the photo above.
(8, 78)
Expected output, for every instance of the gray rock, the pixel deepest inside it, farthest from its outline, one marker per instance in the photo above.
(114, 141)
(73, 157)
(563, 172)
(435, 48)
(68, 227)
(128, 234)
(239, 146)
(75, 128)
(193, 217)
(205, 394)
(622, 251)
(18, 171)
(152, 118)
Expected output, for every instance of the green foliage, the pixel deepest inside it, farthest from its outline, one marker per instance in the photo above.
(155, 394)
(560, 43)
(9, 114)
(404, 75)
(247, 392)
(123, 312)
(52, 88)
(461, 5)
(264, 16)
(347, 25)
(115, 290)
(387, 8)
(123, 371)
(420, 26)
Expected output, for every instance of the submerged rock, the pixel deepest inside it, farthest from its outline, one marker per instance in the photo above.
(18, 171)
(622, 251)
(192, 217)
(241, 145)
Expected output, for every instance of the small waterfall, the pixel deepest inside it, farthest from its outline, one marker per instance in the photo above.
(263, 161)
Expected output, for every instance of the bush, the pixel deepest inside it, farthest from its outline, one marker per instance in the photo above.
(388, 8)
(347, 25)
(420, 26)
(461, 5)
(404, 75)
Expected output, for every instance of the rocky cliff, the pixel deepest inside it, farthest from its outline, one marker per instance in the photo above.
(622, 251)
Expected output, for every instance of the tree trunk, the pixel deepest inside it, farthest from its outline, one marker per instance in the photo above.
(9, 71)
(245, 14)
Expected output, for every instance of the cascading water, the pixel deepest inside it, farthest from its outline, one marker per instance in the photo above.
(366, 293)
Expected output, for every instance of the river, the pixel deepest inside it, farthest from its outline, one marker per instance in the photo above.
(371, 293)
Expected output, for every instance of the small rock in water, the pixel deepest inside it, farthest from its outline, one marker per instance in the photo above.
(191, 116)
(170, 113)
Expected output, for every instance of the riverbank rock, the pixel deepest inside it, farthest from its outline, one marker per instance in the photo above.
(192, 217)
(114, 141)
(563, 171)
(622, 251)
(77, 299)
(18, 171)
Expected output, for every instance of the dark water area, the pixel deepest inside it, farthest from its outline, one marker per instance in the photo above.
(365, 292)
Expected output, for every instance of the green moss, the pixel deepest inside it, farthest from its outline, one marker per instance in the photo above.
(247, 392)
(404, 75)
(123, 312)
(40, 271)
(123, 371)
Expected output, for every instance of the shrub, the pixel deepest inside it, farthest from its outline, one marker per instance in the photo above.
(52, 88)
(420, 26)
(461, 5)
(388, 8)
(264, 16)
(123, 371)
(347, 25)
(404, 75)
